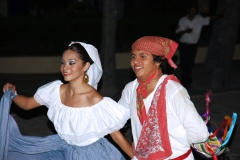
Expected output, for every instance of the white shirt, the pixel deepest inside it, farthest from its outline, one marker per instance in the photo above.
(196, 25)
(185, 125)
(85, 125)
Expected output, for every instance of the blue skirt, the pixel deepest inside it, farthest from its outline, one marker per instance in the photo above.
(15, 146)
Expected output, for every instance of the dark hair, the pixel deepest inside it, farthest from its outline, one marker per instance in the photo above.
(192, 5)
(164, 66)
(82, 53)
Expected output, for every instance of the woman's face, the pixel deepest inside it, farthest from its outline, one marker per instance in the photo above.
(72, 67)
(143, 64)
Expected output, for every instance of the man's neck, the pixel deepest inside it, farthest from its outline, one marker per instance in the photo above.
(191, 17)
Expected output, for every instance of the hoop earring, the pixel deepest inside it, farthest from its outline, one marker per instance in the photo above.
(86, 78)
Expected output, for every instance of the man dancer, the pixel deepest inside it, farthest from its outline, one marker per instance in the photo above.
(164, 120)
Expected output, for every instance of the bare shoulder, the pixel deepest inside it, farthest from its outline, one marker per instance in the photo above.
(94, 96)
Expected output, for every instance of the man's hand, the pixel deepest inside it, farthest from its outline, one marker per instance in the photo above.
(188, 30)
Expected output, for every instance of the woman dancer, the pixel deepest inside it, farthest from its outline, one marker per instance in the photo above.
(81, 116)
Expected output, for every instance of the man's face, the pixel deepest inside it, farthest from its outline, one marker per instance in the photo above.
(192, 11)
(143, 64)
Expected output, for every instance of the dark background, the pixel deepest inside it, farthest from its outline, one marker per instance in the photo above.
(45, 28)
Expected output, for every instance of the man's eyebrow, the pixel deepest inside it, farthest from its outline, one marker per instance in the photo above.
(142, 52)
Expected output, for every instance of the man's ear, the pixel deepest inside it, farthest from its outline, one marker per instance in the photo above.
(158, 64)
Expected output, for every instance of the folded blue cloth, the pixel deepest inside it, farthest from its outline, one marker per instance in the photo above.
(15, 146)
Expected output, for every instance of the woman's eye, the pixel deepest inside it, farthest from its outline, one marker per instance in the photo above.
(72, 62)
(62, 62)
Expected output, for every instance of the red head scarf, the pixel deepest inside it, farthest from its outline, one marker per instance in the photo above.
(158, 46)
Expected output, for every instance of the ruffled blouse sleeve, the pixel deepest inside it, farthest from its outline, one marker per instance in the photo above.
(45, 93)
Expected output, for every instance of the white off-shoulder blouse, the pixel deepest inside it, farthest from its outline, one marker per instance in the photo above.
(85, 125)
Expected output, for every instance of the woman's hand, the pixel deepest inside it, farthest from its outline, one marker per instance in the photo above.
(23, 102)
(9, 86)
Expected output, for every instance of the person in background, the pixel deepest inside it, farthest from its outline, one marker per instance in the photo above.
(164, 120)
(189, 30)
(81, 116)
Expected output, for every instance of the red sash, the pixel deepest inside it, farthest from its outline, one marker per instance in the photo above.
(153, 143)
(184, 156)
